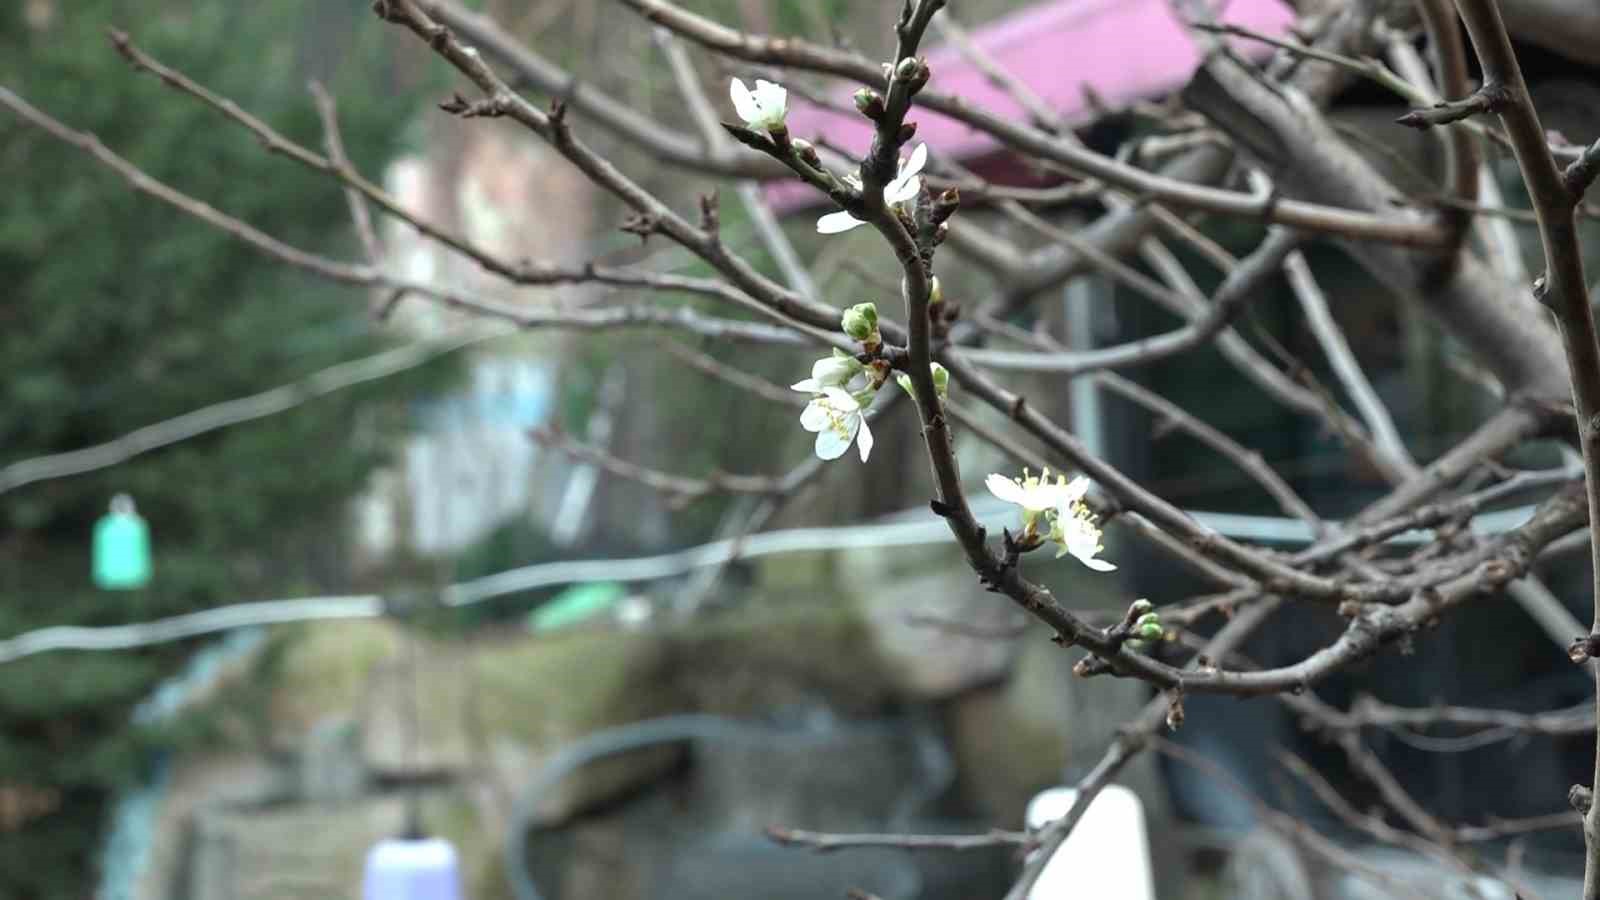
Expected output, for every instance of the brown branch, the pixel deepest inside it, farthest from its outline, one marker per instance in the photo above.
(1374, 825)
(1242, 284)
(1582, 171)
(685, 488)
(1454, 512)
(1487, 99)
(523, 272)
(650, 214)
(1319, 317)
(650, 135)
(1563, 288)
(1462, 156)
(1275, 383)
(1246, 460)
(360, 216)
(1036, 107)
(1367, 711)
(1131, 740)
(744, 381)
(1493, 318)
(1119, 231)
(526, 272)
(1369, 822)
(1287, 825)
(1134, 522)
(797, 53)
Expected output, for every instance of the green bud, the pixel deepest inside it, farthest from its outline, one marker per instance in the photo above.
(869, 103)
(1150, 631)
(915, 72)
(860, 322)
(1147, 619)
(941, 381)
(935, 291)
(1140, 606)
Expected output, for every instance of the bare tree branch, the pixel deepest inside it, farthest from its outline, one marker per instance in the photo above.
(1563, 288)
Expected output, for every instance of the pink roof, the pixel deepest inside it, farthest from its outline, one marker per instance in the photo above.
(1123, 50)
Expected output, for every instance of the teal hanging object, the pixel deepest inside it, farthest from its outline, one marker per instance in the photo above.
(576, 604)
(121, 548)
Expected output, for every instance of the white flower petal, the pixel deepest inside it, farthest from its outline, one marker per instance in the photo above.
(864, 439)
(772, 99)
(1099, 565)
(899, 191)
(815, 417)
(840, 400)
(807, 386)
(1074, 490)
(919, 158)
(831, 444)
(837, 223)
(744, 103)
(1004, 488)
(834, 370)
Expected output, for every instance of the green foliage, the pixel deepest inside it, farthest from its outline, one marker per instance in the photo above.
(118, 311)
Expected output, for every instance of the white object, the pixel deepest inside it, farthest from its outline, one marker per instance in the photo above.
(1107, 856)
(399, 869)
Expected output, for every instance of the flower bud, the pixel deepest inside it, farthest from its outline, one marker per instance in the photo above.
(860, 322)
(914, 72)
(935, 291)
(807, 153)
(869, 103)
(908, 130)
(1148, 627)
(941, 381)
(1141, 607)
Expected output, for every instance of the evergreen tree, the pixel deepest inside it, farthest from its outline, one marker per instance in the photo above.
(117, 311)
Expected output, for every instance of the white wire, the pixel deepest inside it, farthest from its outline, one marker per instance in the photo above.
(908, 528)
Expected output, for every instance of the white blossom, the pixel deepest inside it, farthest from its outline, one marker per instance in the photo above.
(840, 370)
(905, 186)
(762, 108)
(1076, 529)
(838, 420)
(1036, 494)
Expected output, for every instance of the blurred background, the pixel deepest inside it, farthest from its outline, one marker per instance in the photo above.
(814, 682)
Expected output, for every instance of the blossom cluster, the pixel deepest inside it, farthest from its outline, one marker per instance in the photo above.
(842, 388)
(1057, 505)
